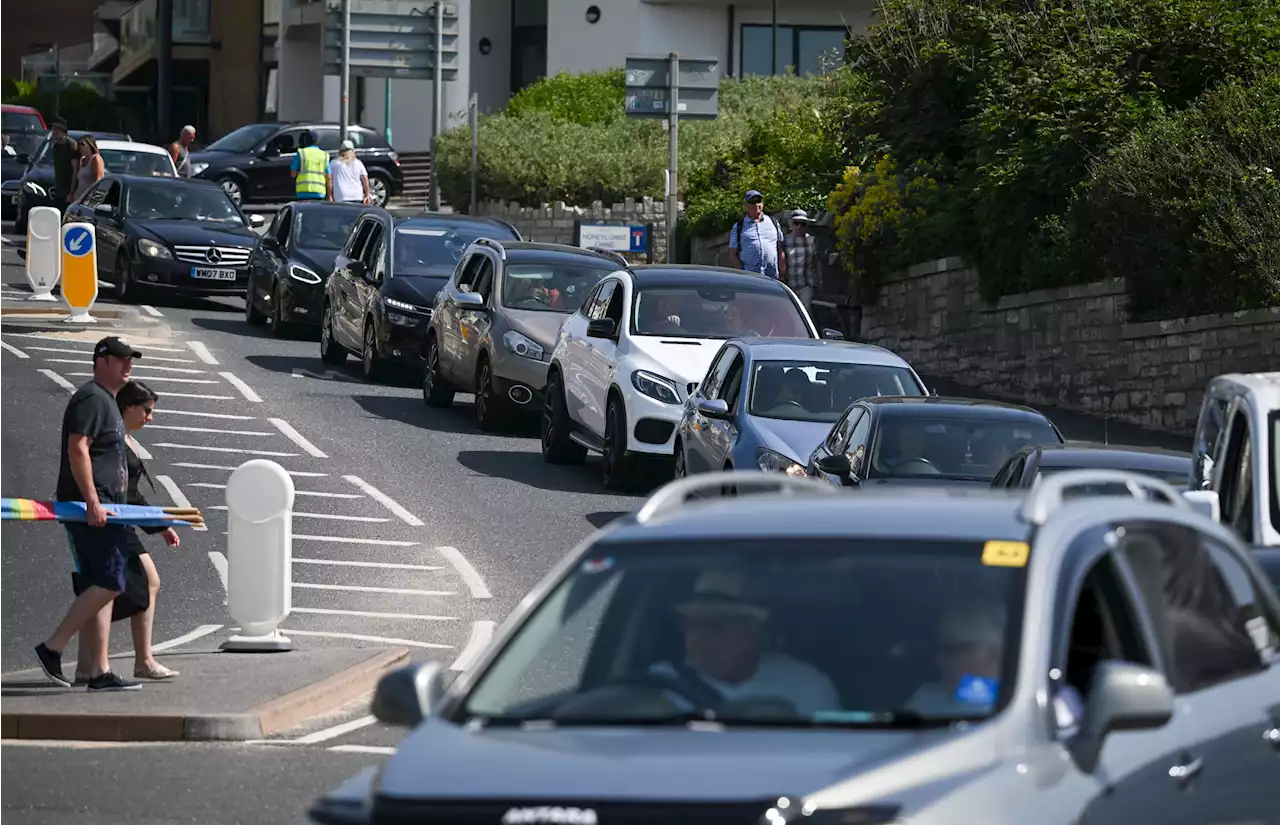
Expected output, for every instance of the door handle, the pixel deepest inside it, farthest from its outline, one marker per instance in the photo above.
(1187, 771)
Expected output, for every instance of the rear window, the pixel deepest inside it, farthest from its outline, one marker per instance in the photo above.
(961, 449)
(368, 139)
(149, 164)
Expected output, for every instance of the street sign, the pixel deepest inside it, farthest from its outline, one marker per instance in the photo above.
(392, 38)
(260, 496)
(605, 236)
(655, 73)
(79, 271)
(639, 239)
(44, 254)
(693, 104)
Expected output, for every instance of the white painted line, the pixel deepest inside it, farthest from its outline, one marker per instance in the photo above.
(105, 284)
(360, 588)
(89, 362)
(202, 352)
(481, 634)
(10, 348)
(59, 380)
(295, 492)
(193, 466)
(145, 349)
(202, 630)
(356, 637)
(386, 501)
(336, 731)
(330, 516)
(182, 429)
(152, 311)
(90, 352)
(344, 540)
(155, 378)
(139, 449)
(293, 435)
(381, 565)
(228, 450)
(219, 562)
(244, 388)
(168, 395)
(371, 614)
(468, 573)
(175, 493)
(203, 414)
(375, 749)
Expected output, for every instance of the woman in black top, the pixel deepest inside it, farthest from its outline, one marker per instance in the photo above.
(137, 401)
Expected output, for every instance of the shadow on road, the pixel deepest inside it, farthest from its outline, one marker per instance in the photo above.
(310, 366)
(530, 469)
(604, 518)
(413, 412)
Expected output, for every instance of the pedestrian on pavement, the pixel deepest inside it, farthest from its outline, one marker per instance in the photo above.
(66, 158)
(802, 259)
(180, 150)
(93, 469)
(756, 241)
(91, 168)
(350, 178)
(137, 402)
(311, 170)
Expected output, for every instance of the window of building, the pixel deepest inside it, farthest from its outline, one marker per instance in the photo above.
(806, 50)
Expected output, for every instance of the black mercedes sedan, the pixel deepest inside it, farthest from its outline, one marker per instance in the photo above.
(913, 440)
(1030, 463)
(35, 186)
(172, 234)
(377, 302)
(292, 260)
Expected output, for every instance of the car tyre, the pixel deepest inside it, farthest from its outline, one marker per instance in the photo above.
(252, 316)
(233, 189)
(491, 412)
(370, 361)
(680, 469)
(557, 446)
(331, 352)
(126, 286)
(379, 190)
(436, 392)
(617, 461)
(275, 321)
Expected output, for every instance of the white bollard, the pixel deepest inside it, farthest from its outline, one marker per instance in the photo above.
(259, 555)
(79, 271)
(44, 258)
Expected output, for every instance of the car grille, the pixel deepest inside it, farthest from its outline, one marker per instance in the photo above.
(213, 255)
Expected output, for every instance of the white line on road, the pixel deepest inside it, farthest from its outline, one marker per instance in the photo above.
(155, 378)
(295, 492)
(371, 614)
(152, 311)
(90, 352)
(193, 466)
(10, 348)
(336, 731)
(378, 564)
(142, 451)
(145, 348)
(374, 749)
(202, 352)
(168, 395)
(204, 430)
(203, 414)
(481, 634)
(175, 493)
(386, 501)
(59, 380)
(219, 562)
(228, 450)
(361, 588)
(295, 436)
(344, 540)
(244, 388)
(199, 632)
(330, 516)
(356, 637)
(468, 573)
(89, 362)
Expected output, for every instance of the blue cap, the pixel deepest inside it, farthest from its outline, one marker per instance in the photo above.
(752, 193)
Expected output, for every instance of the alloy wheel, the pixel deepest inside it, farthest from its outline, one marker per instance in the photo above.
(233, 190)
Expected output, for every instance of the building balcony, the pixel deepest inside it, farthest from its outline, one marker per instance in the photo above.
(139, 41)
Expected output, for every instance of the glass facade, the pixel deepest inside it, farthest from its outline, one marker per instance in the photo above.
(805, 50)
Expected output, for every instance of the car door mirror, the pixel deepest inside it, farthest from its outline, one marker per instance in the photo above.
(836, 465)
(257, 221)
(832, 334)
(1205, 502)
(407, 696)
(713, 408)
(468, 300)
(1123, 696)
(605, 328)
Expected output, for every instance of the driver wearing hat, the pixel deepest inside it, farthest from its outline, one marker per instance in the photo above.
(724, 648)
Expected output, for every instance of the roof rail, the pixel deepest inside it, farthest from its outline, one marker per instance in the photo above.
(675, 495)
(1049, 492)
(492, 244)
(612, 253)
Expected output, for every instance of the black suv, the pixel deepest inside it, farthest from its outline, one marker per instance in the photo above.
(35, 186)
(252, 163)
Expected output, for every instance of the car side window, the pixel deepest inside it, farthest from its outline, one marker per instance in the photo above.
(596, 310)
(856, 448)
(372, 253)
(327, 138)
(287, 141)
(840, 432)
(715, 373)
(96, 194)
(482, 285)
(111, 193)
(467, 274)
(1237, 478)
(731, 387)
(284, 226)
(359, 237)
(1203, 631)
(1013, 472)
(613, 309)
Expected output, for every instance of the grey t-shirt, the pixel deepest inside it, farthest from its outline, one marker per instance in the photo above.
(92, 412)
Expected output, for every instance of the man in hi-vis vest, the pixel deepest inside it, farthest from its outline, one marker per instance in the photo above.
(310, 169)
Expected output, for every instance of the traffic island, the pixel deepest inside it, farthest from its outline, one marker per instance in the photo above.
(219, 697)
(21, 316)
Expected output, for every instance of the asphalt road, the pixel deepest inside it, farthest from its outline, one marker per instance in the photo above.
(411, 528)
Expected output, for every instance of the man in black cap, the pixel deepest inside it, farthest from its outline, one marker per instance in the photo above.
(93, 470)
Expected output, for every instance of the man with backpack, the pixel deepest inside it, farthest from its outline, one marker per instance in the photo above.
(756, 242)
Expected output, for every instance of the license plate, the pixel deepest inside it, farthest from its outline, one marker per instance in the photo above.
(213, 274)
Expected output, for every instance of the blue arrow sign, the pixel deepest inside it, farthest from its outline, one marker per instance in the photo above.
(77, 242)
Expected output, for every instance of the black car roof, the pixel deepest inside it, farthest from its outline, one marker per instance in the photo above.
(1112, 456)
(534, 251)
(403, 213)
(163, 180)
(312, 204)
(903, 406)
(693, 275)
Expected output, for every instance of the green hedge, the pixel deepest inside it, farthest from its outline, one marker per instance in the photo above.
(80, 104)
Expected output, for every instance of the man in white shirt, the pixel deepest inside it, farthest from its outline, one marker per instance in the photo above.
(350, 178)
(724, 649)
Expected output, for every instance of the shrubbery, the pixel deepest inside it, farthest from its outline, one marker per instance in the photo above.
(80, 104)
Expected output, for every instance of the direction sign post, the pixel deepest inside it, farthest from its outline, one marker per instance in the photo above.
(44, 251)
(79, 271)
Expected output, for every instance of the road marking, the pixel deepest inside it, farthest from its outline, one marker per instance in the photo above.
(362, 588)
(59, 380)
(192, 466)
(344, 540)
(202, 352)
(10, 348)
(378, 564)
(481, 634)
(371, 614)
(139, 449)
(331, 516)
(336, 731)
(327, 375)
(386, 501)
(145, 348)
(376, 749)
(295, 492)
(219, 562)
(155, 378)
(152, 311)
(468, 573)
(175, 493)
(168, 395)
(184, 370)
(244, 388)
(356, 637)
(199, 632)
(203, 414)
(295, 436)
(228, 450)
(203, 429)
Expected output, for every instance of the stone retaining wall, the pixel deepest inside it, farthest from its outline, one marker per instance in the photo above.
(557, 223)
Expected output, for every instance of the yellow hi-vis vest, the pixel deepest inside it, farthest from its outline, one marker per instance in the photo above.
(312, 161)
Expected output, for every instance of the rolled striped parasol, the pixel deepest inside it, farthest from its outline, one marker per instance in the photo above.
(26, 509)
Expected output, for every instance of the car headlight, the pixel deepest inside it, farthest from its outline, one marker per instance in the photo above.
(197, 168)
(151, 249)
(772, 462)
(35, 189)
(392, 303)
(523, 346)
(301, 273)
(655, 386)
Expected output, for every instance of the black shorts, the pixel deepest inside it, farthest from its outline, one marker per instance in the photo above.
(100, 554)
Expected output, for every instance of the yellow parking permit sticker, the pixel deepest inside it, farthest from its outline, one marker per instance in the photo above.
(1005, 553)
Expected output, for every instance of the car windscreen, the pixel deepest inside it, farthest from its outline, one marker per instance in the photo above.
(946, 448)
(126, 162)
(711, 311)
(24, 143)
(822, 391)
(324, 228)
(243, 139)
(845, 633)
(184, 202)
(550, 287)
(434, 250)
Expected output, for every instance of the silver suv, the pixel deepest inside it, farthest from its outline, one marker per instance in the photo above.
(814, 657)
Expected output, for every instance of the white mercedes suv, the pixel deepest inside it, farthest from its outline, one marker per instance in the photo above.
(624, 363)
